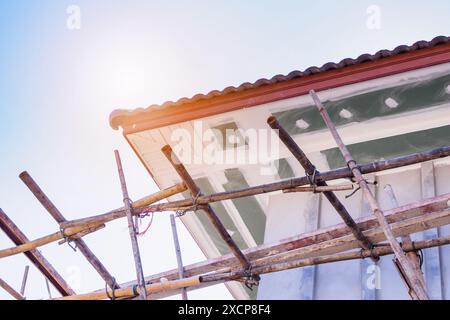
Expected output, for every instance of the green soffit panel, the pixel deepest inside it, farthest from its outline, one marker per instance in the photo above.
(248, 207)
(391, 147)
(362, 107)
(206, 187)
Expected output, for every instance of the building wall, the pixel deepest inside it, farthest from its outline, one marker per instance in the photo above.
(296, 213)
(391, 116)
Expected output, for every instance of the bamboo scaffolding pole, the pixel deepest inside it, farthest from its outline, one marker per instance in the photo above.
(416, 209)
(178, 254)
(342, 187)
(346, 256)
(406, 240)
(49, 292)
(58, 216)
(16, 295)
(138, 207)
(24, 280)
(336, 174)
(408, 271)
(311, 171)
(30, 245)
(82, 234)
(129, 292)
(195, 191)
(375, 235)
(70, 230)
(131, 229)
(38, 260)
(216, 278)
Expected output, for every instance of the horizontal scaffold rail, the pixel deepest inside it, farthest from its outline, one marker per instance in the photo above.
(326, 252)
(286, 184)
(303, 181)
(426, 212)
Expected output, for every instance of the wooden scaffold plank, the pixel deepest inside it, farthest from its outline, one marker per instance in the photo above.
(286, 260)
(405, 267)
(422, 210)
(346, 256)
(38, 260)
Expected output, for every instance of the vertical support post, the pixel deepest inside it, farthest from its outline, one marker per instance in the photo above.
(406, 240)
(24, 280)
(57, 215)
(10, 290)
(369, 268)
(48, 288)
(132, 230)
(178, 254)
(432, 256)
(405, 266)
(308, 280)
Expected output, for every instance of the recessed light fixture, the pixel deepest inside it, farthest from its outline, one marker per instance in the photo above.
(391, 103)
(302, 124)
(345, 114)
(447, 89)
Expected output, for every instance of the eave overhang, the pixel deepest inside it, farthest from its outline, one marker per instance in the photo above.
(384, 63)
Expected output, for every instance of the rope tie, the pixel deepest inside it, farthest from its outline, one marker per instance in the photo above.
(113, 289)
(194, 207)
(150, 214)
(353, 179)
(180, 212)
(372, 254)
(127, 199)
(371, 251)
(250, 279)
(312, 179)
(418, 252)
(135, 290)
(194, 203)
(68, 240)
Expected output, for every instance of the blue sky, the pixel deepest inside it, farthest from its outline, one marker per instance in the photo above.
(58, 86)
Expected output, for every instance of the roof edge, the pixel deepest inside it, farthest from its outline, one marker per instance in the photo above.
(171, 112)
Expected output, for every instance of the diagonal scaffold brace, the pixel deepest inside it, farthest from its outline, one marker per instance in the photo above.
(411, 276)
(195, 192)
(59, 218)
(311, 172)
(35, 256)
(5, 286)
(413, 256)
(132, 230)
